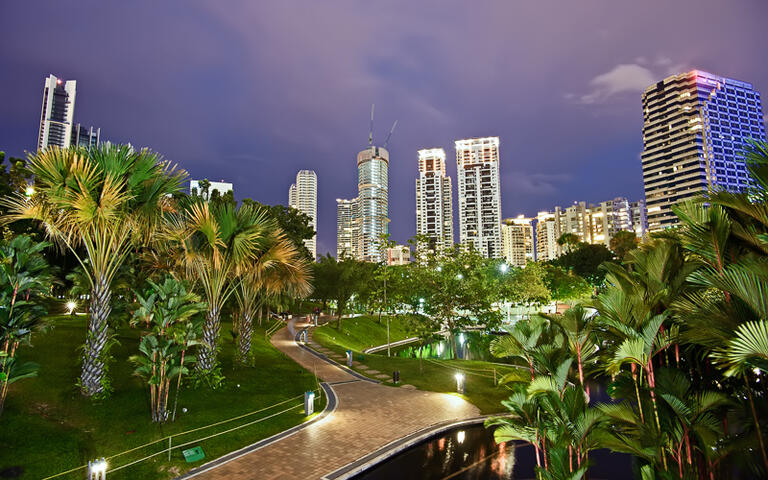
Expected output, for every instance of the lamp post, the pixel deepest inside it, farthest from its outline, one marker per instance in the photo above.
(460, 383)
(97, 469)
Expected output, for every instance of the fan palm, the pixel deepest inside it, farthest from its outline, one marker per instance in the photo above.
(105, 200)
(277, 269)
(211, 244)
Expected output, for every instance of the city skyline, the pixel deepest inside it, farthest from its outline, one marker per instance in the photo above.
(570, 123)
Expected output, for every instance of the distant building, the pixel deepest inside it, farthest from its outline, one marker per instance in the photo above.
(346, 231)
(517, 241)
(695, 127)
(575, 220)
(372, 214)
(608, 218)
(639, 218)
(222, 187)
(547, 233)
(56, 118)
(398, 255)
(82, 137)
(303, 197)
(434, 200)
(477, 161)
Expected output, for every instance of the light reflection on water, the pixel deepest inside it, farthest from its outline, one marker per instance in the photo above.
(468, 453)
(463, 346)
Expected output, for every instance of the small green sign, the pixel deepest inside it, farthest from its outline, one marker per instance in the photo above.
(193, 454)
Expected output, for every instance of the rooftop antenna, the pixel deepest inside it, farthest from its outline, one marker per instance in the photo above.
(390, 134)
(370, 131)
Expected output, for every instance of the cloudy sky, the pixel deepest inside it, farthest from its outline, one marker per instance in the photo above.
(251, 92)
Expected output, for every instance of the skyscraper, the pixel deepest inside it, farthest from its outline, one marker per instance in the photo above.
(547, 233)
(477, 161)
(575, 220)
(57, 113)
(639, 218)
(608, 218)
(517, 240)
(695, 126)
(372, 203)
(346, 231)
(434, 201)
(83, 137)
(303, 197)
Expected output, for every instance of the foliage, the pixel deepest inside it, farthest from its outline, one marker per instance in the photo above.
(295, 224)
(106, 200)
(24, 280)
(623, 242)
(584, 260)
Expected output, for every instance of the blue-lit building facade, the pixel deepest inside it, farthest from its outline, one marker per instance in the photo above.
(696, 127)
(372, 206)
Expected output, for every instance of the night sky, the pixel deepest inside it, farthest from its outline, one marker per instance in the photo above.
(251, 92)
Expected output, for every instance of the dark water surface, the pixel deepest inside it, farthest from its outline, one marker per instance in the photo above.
(470, 453)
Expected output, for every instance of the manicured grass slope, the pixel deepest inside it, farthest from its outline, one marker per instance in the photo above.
(432, 375)
(363, 332)
(48, 427)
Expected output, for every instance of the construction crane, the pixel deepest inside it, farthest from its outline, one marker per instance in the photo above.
(390, 134)
(370, 131)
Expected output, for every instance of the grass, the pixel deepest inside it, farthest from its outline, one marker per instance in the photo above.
(48, 427)
(431, 375)
(359, 333)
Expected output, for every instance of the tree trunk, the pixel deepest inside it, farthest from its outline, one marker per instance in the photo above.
(93, 370)
(206, 361)
(244, 337)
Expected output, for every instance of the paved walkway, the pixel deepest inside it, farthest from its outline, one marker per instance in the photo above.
(368, 416)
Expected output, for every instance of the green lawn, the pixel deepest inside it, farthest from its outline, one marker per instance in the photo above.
(359, 333)
(433, 375)
(48, 427)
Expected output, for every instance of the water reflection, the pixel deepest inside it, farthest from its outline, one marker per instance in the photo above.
(463, 346)
(466, 453)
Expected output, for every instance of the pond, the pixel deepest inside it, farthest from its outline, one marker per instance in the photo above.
(470, 453)
(469, 346)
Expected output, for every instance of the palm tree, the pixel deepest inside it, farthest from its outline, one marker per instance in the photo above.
(278, 268)
(105, 200)
(212, 245)
(577, 326)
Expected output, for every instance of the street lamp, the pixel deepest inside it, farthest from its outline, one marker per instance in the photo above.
(97, 469)
(503, 268)
(460, 276)
(459, 383)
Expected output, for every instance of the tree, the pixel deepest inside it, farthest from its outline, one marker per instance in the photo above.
(296, 225)
(106, 200)
(585, 260)
(623, 242)
(24, 279)
(565, 286)
(209, 244)
(170, 312)
(568, 241)
(341, 279)
(528, 285)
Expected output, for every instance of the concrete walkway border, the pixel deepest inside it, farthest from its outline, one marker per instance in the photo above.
(332, 362)
(330, 407)
(393, 448)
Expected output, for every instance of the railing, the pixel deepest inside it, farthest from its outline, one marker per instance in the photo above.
(170, 438)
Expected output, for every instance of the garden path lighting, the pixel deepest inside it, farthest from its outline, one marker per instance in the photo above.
(459, 383)
(460, 436)
(71, 305)
(97, 469)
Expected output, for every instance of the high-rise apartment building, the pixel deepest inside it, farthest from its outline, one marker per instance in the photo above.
(434, 200)
(85, 137)
(372, 203)
(639, 218)
(575, 220)
(517, 240)
(695, 128)
(477, 161)
(56, 118)
(608, 218)
(303, 197)
(346, 231)
(547, 234)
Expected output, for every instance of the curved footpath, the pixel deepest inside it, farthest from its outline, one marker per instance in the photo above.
(367, 417)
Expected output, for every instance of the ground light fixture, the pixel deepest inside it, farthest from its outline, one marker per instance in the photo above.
(71, 305)
(97, 469)
(459, 383)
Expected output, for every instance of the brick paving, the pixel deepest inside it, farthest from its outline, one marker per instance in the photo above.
(368, 417)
